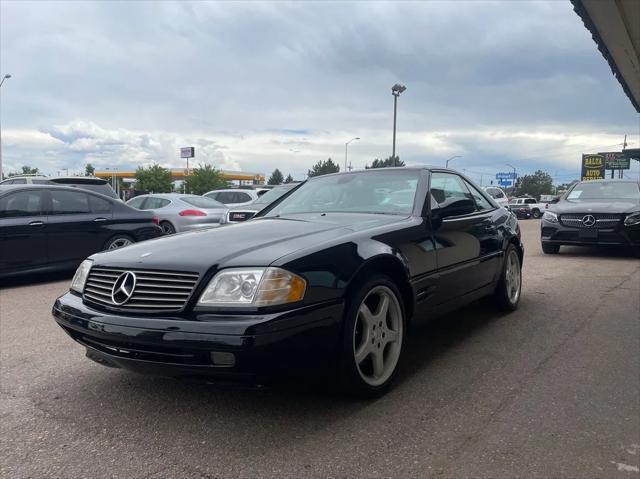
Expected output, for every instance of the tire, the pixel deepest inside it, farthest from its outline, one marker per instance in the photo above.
(117, 242)
(550, 248)
(536, 213)
(508, 291)
(167, 228)
(369, 357)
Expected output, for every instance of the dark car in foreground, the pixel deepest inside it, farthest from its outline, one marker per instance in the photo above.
(594, 213)
(47, 228)
(238, 214)
(331, 277)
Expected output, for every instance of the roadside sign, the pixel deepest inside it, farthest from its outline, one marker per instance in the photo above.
(592, 167)
(616, 160)
(506, 176)
(187, 152)
(505, 182)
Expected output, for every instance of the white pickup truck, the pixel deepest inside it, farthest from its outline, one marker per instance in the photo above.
(536, 208)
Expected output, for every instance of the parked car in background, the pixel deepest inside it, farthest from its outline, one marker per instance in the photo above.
(594, 213)
(332, 276)
(535, 206)
(521, 210)
(45, 227)
(177, 212)
(242, 213)
(498, 195)
(91, 183)
(234, 196)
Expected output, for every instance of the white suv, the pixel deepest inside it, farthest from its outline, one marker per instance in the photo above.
(498, 195)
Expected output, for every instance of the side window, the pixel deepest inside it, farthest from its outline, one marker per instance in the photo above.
(214, 196)
(154, 203)
(448, 190)
(242, 197)
(137, 202)
(19, 181)
(481, 202)
(23, 203)
(530, 201)
(69, 202)
(99, 205)
(499, 194)
(226, 197)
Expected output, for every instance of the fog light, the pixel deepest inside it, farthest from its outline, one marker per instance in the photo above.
(220, 358)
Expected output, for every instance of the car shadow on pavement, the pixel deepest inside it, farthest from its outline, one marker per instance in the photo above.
(597, 252)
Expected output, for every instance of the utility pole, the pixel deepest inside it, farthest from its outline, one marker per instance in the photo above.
(346, 146)
(6, 77)
(395, 91)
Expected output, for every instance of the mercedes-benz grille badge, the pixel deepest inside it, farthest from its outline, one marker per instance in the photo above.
(123, 288)
(588, 220)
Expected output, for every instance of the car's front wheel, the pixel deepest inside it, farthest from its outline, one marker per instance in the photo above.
(550, 248)
(536, 213)
(374, 333)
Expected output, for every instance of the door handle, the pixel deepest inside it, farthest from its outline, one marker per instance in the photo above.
(36, 223)
(100, 220)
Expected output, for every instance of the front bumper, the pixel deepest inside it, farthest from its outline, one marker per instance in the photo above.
(181, 347)
(619, 235)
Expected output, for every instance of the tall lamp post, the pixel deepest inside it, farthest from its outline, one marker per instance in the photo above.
(6, 77)
(346, 146)
(452, 158)
(395, 91)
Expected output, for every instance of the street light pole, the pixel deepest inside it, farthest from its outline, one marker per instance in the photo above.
(6, 77)
(346, 146)
(395, 91)
(452, 158)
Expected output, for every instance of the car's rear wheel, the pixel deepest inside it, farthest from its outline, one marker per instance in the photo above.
(373, 338)
(550, 248)
(118, 241)
(167, 228)
(509, 287)
(536, 213)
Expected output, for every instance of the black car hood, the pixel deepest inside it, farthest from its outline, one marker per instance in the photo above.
(257, 242)
(614, 206)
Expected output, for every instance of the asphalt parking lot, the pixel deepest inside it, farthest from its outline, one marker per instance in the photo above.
(552, 390)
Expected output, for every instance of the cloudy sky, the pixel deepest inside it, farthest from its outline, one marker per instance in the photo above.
(255, 86)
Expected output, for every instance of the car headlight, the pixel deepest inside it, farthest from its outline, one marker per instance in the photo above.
(253, 287)
(77, 283)
(550, 216)
(632, 219)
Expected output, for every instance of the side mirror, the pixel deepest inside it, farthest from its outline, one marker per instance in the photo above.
(555, 200)
(457, 208)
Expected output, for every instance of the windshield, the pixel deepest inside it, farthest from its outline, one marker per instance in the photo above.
(372, 192)
(272, 195)
(202, 202)
(604, 190)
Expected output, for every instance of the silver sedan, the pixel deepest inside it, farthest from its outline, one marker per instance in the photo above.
(177, 212)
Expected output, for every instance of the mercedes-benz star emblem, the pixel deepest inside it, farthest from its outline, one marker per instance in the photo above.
(588, 220)
(123, 288)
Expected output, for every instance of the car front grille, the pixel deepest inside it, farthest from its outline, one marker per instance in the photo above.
(602, 220)
(153, 291)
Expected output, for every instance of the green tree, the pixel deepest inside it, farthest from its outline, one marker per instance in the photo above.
(323, 167)
(276, 178)
(204, 178)
(288, 179)
(390, 161)
(154, 179)
(26, 170)
(540, 183)
(89, 170)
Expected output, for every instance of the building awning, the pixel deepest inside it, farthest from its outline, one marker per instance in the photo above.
(615, 27)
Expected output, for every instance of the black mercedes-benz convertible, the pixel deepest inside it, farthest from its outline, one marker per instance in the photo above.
(331, 276)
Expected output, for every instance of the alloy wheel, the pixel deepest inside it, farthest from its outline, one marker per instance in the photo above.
(377, 336)
(513, 277)
(119, 243)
